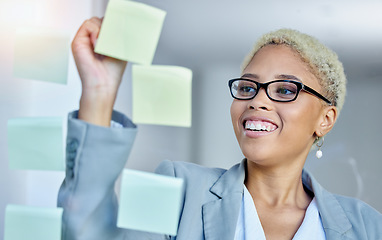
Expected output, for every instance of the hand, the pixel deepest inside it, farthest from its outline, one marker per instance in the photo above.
(100, 75)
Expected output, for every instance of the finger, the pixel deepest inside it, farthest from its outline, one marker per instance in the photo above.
(96, 20)
(94, 35)
(87, 34)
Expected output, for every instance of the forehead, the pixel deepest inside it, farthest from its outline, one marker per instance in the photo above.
(272, 61)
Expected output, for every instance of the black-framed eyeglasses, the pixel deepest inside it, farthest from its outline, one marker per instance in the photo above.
(277, 90)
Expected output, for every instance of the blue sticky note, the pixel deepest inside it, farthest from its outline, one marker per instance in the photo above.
(130, 31)
(36, 143)
(162, 95)
(150, 202)
(41, 54)
(23, 222)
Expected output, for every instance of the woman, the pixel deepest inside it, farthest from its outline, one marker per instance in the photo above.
(289, 96)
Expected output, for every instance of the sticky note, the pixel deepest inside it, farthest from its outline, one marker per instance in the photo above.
(162, 95)
(23, 222)
(41, 54)
(150, 202)
(36, 143)
(130, 31)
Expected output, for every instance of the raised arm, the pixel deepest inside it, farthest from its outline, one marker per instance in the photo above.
(100, 75)
(96, 153)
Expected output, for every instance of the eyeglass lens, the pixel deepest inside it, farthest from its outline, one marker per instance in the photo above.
(278, 90)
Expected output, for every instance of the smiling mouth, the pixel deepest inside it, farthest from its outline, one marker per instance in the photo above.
(259, 126)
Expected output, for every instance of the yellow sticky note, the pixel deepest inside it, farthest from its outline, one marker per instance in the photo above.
(22, 222)
(162, 95)
(150, 202)
(41, 54)
(36, 143)
(130, 31)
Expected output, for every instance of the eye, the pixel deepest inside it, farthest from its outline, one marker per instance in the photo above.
(243, 89)
(285, 90)
(246, 90)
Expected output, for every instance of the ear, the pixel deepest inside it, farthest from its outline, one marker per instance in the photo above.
(326, 121)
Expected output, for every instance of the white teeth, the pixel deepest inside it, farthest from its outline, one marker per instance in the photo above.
(257, 127)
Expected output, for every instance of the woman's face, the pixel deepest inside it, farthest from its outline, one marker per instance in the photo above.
(291, 126)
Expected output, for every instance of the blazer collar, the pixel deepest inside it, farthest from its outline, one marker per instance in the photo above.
(334, 219)
(220, 216)
(231, 181)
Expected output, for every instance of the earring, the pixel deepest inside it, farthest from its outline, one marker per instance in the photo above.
(319, 145)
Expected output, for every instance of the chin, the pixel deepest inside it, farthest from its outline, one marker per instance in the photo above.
(256, 154)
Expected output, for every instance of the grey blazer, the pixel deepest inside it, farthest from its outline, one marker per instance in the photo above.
(212, 196)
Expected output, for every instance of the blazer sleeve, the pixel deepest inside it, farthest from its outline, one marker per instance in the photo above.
(95, 157)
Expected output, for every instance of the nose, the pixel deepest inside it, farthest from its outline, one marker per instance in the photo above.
(260, 101)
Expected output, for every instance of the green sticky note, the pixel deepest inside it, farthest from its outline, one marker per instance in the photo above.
(36, 143)
(41, 54)
(130, 31)
(22, 222)
(150, 202)
(162, 95)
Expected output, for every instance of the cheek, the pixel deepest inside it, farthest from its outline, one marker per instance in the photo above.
(236, 111)
(233, 113)
(236, 107)
(301, 119)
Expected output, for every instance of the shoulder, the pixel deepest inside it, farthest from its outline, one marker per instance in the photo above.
(344, 215)
(358, 210)
(365, 220)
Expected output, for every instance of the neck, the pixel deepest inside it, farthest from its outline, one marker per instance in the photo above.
(276, 186)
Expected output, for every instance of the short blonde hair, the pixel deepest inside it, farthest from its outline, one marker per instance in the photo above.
(322, 61)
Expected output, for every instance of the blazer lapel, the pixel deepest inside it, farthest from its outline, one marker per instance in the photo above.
(220, 216)
(334, 219)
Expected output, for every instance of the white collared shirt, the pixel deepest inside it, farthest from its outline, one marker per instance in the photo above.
(249, 226)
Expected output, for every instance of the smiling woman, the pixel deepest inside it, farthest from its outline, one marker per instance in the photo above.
(275, 158)
(290, 94)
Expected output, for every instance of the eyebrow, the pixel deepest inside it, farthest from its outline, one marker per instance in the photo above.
(288, 77)
(250, 75)
(280, 76)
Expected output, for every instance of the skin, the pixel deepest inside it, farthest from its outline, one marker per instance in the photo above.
(100, 75)
(275, 160)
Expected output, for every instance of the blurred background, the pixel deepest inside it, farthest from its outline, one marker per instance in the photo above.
(211, 38)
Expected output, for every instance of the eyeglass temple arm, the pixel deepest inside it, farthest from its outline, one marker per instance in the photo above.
(306, 88)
